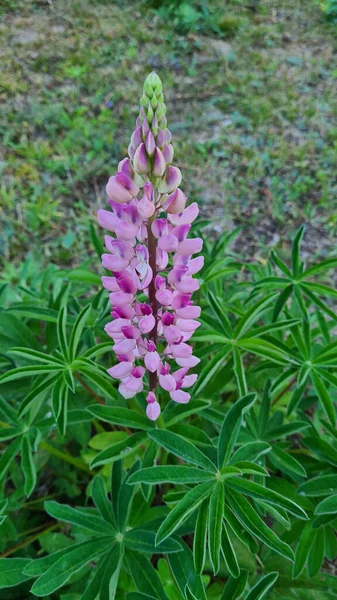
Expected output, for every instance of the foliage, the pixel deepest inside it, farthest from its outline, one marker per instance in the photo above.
(233, 496)
(330, 10)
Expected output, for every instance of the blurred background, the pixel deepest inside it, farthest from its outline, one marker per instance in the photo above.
(251, 94)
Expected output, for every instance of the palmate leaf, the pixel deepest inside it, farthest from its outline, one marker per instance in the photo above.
(228, 552)
(67, 565)
(262, 587)
(255, 490)
(286, 463)
(324, 397)
(90, 522)
(144, 575)
(101, 500)
(183, 509)
(142, 540)
(253, 314)
(186, 578)
(108, 587)
(215, 517)
(77, 331)
(200, 536)
(178, 474)
(31, 354)
(230, 427)
(211, 368)
(119, 450)
(183, 448)
(29, 371)
(250, 520)
(121, 416)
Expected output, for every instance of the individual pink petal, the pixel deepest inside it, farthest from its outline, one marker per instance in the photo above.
(168, 243)
(181, 350)
(180, 396)
(110, 283)
(159, 164)
(126, 282)
(140, 160)
(131, 332)
(172, 334)
(121, 188)
(121, 370)
(150, 144)
(125, 166)
(191, 361)
(168, 152)
(180, 300)
(151, 398)
(116, 326)
(171, 181)
(179, 374)
(187, 324)
(147, 323)
(113, 262)
(124, 312)
(146, 208)
(125, 231)
(189, 380)
(181, 232)
(190, 214)
(159, 227)
(136, 138)
(190, 246)
(195, 265)
(164, 297)
(167, 319)
(107, 219)
(152, 361)
(167, 382)
(147, 278)
(120, 298)
(176, 202)
(153, 411)
(160, 282)
(119, 247)
(189, 312)
(124, 346)
(187, 284)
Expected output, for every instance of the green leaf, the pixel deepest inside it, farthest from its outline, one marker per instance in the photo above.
(121, 416)
(322, 449)
(174, 412)
(328, 506)
(31, 354)
(260, 492)
(200, 536)
(239, 372)
(286, 463)
(281, 265)
(12, 571)
(215, 517)
(125, 497)
(323, 485)
(247, 467)
(8, 456)
(90, 522)
(250, 451)
(108, 587)
(144, 575)
(77, 331)
(295, 252)
(302, 550)
(68, 564)
(261, 588)
(182, 567)
(37, 389)
(244, 511)
(210, 369)
(220, 313)
(62, 332)
(241, 533)
(103, 382)
(253, 314)
(28, 466)
(316, 553)
(93, 589)
(235, 587)
(323, 265)
(183, 448)
(228, 553)
(178, 474)
(281, 301)
(330, 543)
(183, 509)
(119, 450)
(265, 349)
(324, 397)
(230, 427)
(101, 500)
(142, 540)
(40, 565)
(35, 312)
(21, 372)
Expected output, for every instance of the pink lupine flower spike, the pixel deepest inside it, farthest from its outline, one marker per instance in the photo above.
(149, 252)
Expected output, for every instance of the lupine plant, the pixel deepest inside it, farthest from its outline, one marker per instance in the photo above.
(116, 482)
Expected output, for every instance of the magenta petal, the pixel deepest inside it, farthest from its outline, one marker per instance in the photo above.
(172, 334)
(191, 361)
(124, 346)
(150, 144)
(125, 231)
(189, 312)
(171, 181)
(131, 332)
(167, 382)
(116, 326)
(159, 164)
(180, 300)
(147, 323)
(110, 283)
(140, 160)
(120, 298)
(152, 361)
(181, 231)
(187, 284)
(195, 265)
(180, 396)
(190, 214)
(117, 192)
(107, 219)
(150, 398)
(113, 262)
(176, 202)
(181, 350)
(153, 411)
(121, 370)
(159, 227)
(164, 297)
(189, 380)
(168, 243)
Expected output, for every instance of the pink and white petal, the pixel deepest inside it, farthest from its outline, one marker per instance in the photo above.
(147, 323)
(152, 361)
(121, 370)
(153, 411)
(167, 382)
(191, 361)
(180, 396)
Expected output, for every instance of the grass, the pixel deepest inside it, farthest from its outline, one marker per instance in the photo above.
(251, 98)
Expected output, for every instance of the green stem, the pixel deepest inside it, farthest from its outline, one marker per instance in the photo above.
(29, 540)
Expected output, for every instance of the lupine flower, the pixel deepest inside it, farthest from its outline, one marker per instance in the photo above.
(152, 262)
